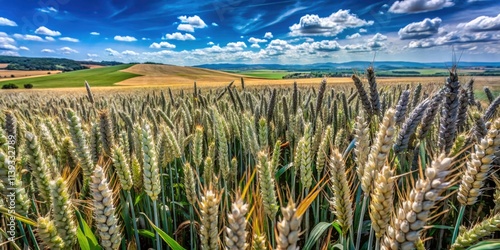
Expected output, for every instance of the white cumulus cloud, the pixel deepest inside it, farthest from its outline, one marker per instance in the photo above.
(42, 30)
(95, 33)
(6, 22)
(313, 25)
(188, 24)
(179, 36)
(185, 27)
(6, 46)
(378, 37)
(162, 45)
(460, 38)
(28, 38)
(24, 48)
(353, 36)
(125, 38)
(67, 50)
(326, 46)
(417, 6)
(482, 23)
(160, 53)
(256, 40)
(112, 52)
(69, 39)
(277, 47)
(268, 35)
(47, 51)
(130, 53)
(417, 30)
(49, 38)
(424, 43)
(236, 46)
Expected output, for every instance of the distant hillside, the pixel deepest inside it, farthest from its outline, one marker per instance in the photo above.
(101, 63)
(49, 63)
(40, 63)
(381, 65)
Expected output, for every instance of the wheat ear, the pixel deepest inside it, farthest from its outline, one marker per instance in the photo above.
(236, 233)
(288, 228)
(415, 210)
(105, 218)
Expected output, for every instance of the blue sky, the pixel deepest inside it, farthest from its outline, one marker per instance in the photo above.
(254, 31)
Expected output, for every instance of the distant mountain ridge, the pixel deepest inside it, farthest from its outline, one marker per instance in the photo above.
(346, 65)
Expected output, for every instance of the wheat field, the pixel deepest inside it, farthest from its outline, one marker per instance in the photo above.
(353, 166)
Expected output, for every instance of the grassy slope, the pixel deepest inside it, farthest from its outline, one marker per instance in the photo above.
(106, 76)
(268, 74)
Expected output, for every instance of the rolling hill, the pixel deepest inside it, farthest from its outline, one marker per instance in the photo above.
(131, 75)
(160, 74)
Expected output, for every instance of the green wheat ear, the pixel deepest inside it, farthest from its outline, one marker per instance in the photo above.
(120, 162)
(41, 172)
(47, 232)
(63, 212)
(151, 173)
(105, 219)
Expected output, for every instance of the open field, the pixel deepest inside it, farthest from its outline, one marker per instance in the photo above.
(491, 81)
(170, 75)
(174, 82)
(267, 74)
(105, 76)
(431, 72)
(93, 66)
(6, 75)
(177, 77)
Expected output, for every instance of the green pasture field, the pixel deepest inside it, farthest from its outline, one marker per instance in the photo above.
(106, 76)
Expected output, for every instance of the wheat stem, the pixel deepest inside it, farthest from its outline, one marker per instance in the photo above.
(457, 225)
(134, 222)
